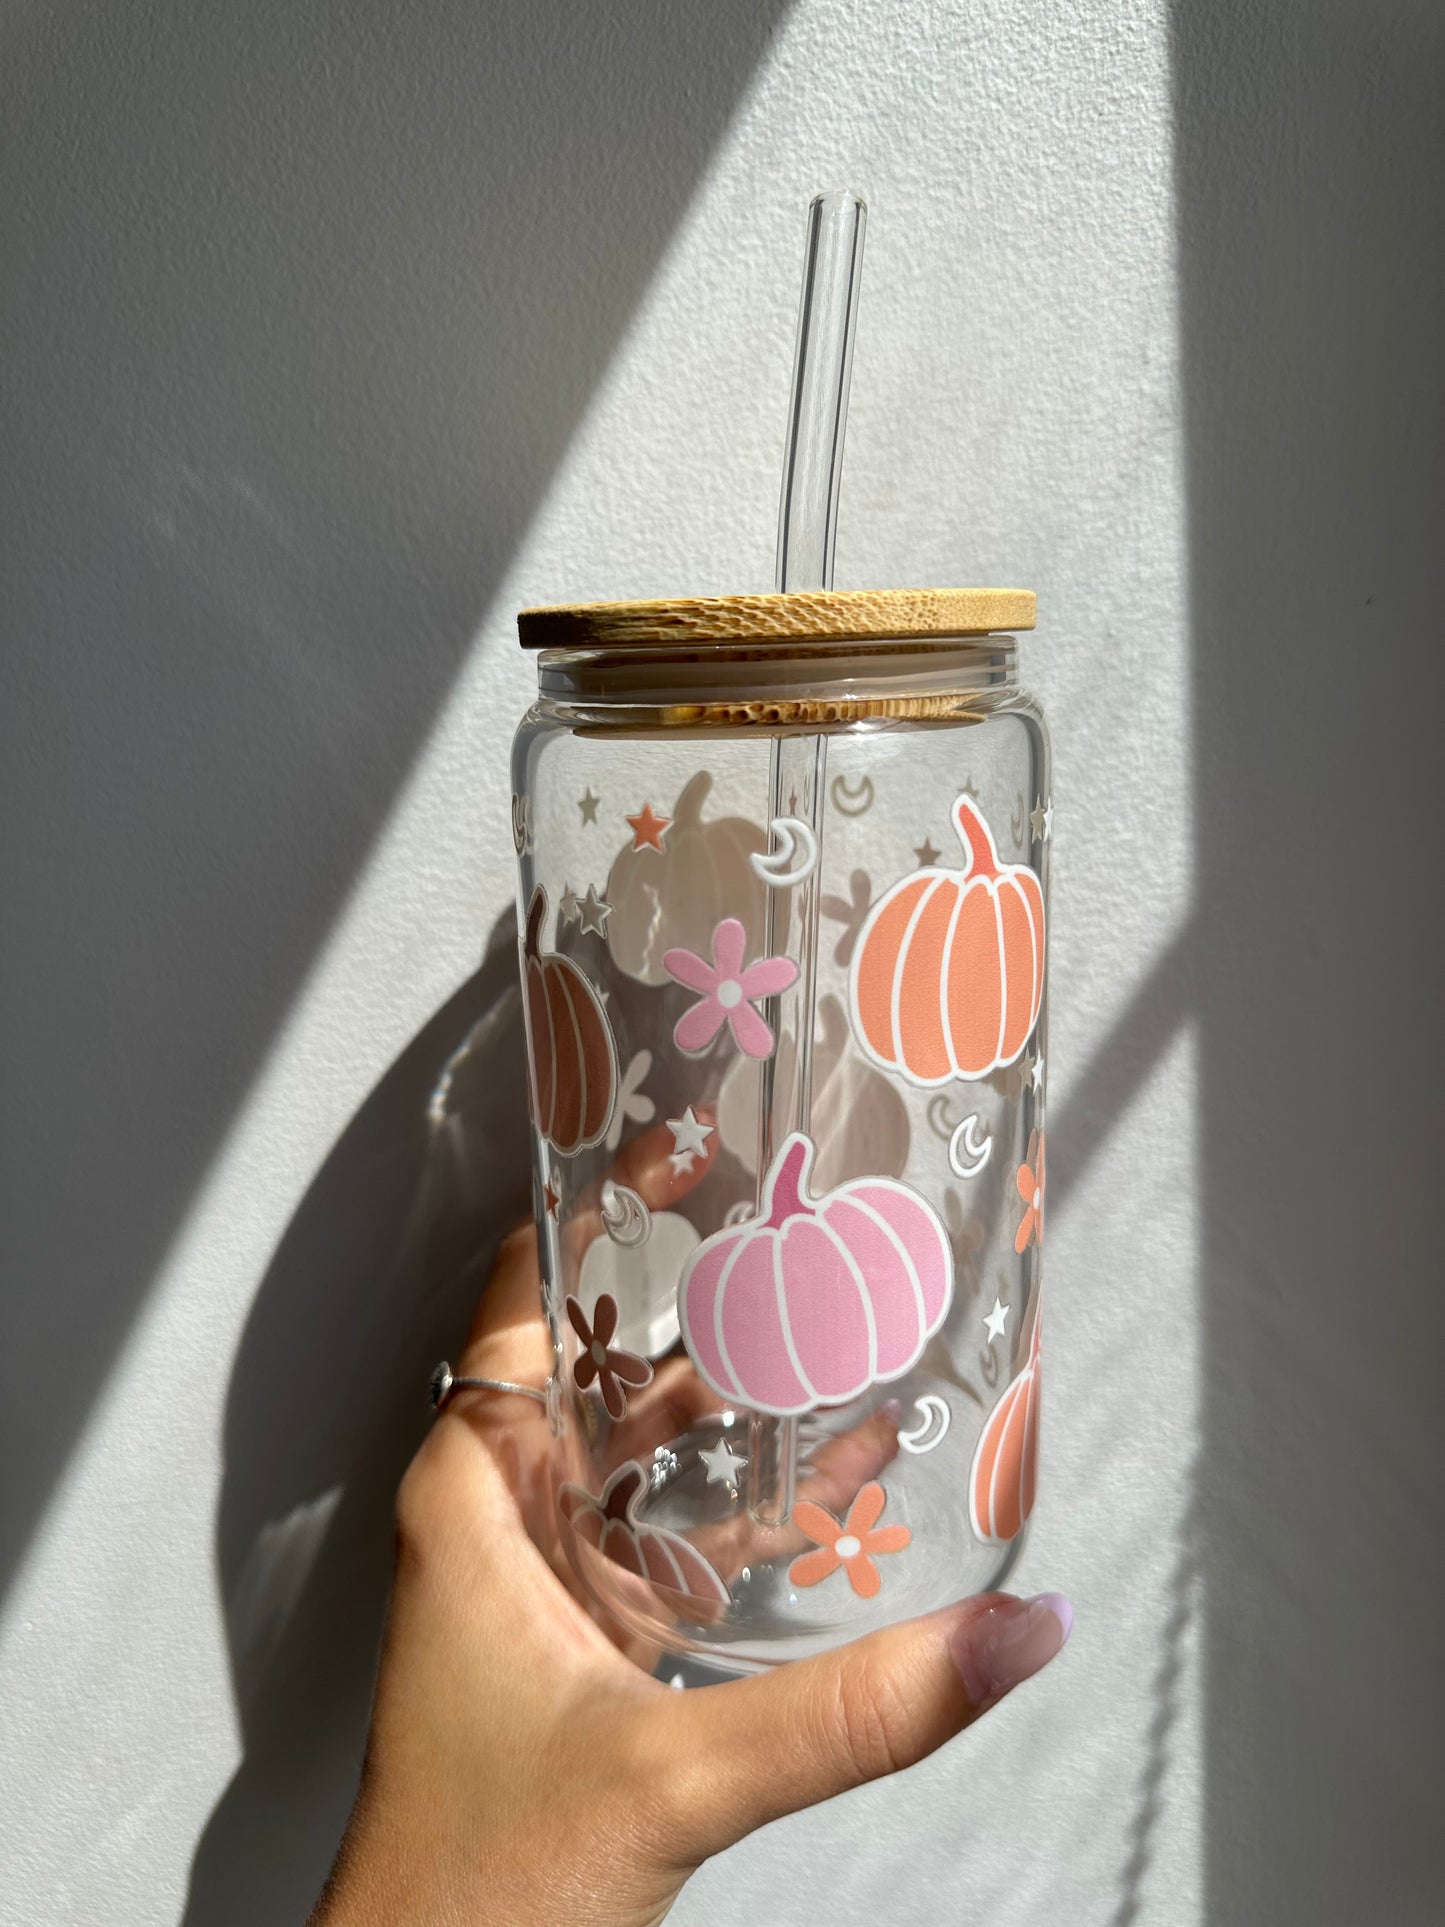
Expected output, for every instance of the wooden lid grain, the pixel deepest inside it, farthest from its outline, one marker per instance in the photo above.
(824, 615)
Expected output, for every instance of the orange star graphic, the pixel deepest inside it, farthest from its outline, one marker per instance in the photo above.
(647, 828)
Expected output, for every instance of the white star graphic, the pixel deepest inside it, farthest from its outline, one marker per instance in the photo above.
(681, 1162)
(689, 1133)
(568, 905)
(593, 911)
(995, 1320)
(723, 1464)
(1036, 1076)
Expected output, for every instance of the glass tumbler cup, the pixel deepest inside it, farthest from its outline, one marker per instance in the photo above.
(782, 876)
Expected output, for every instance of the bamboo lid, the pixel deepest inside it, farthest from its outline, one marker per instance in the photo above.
(823, 615)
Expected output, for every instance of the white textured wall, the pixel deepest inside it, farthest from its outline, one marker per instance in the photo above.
(327, 342)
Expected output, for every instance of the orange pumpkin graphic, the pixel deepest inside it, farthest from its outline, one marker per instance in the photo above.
(948, 973)
(1004, 1474)
(570, 1052)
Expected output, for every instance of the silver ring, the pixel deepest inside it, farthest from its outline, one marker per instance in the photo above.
(443, 1383)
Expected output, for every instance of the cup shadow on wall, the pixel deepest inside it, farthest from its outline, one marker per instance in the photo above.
(309, 303)
(1310, 163)
(376, 1278)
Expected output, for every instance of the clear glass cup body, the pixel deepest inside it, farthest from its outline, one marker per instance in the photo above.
(813, 1206)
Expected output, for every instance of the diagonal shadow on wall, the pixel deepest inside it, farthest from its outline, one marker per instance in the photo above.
(301, 308)
(1311, 192)
(376, 1278)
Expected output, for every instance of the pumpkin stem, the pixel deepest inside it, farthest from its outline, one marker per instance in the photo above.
(625, 1492)
(536, 914)
(784, 1198)
(688, 807)
(980, 852)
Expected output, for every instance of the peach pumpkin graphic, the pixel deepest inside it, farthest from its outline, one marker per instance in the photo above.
(948, 972)
(571, 1055)
(814, 1299)
(1005, 1464)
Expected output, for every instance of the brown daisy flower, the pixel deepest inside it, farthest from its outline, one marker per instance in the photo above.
(611, 1367)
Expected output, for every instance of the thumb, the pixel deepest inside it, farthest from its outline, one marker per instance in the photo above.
(766, 1746)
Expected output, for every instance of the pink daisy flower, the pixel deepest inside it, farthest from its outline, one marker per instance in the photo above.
(729, 991)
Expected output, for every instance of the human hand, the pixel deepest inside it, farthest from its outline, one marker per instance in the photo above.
(522, 1767)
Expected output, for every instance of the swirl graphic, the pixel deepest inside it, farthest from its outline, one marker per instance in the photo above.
(521, 825)
(627, 1220)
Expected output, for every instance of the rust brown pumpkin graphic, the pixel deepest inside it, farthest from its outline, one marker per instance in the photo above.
(571, 1055)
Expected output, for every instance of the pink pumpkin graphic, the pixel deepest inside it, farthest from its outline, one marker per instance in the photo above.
(1005, 1465)
(813, 1300)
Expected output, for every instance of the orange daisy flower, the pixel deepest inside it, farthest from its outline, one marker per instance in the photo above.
(849, 1544)
(1030, 1181)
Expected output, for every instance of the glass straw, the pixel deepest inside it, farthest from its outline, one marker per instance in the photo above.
(807, 536)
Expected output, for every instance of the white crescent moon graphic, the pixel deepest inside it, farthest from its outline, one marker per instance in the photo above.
(627, 1220)
(969, 1160)
(939, 1121)
(851, 801)
(932, 1428)
(792, 837)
